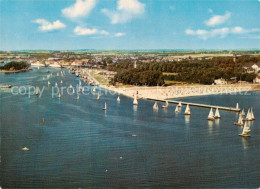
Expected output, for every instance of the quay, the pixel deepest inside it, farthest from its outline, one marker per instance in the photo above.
(198, 105)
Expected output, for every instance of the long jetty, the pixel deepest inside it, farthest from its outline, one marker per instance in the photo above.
(198, 105)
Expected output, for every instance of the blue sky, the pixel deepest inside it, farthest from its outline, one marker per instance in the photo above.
(129, 24)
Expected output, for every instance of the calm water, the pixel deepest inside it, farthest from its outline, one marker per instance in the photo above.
(80, 145)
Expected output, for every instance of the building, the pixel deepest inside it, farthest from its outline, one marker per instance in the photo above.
(256, 68)
(257, 79)
(220, 81)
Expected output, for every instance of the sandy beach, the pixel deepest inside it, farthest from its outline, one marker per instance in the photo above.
(176, 91)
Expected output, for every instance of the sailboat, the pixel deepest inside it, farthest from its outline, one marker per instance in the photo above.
(211, 115)
(217, 114)
(252, 114)
(155, 106)
(49, 83)
(237, 106)
(240, 121)
(243, 112)
(177, 109)
(56, 84)
(37, 91)
(61, 81)
(166, 104)
(246, 130)
(248, 116)
(94, 90)
(105, 108)
(59, 95)
(135, 102)
(118, 99)
(98, 96)
(58, 74)
(187, 111)
(43, 78)
(71, 87)
(78, 97)
(179, 105)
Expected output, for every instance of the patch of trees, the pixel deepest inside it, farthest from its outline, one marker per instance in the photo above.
(15, 66)
(190, 71)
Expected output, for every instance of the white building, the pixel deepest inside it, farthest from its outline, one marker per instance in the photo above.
(256, 68)
(220, 81)
(257, 79)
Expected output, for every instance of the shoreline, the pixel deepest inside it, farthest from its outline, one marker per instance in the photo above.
(14, 71)
(177, 91)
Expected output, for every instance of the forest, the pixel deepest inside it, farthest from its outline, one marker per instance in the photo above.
(189, 71)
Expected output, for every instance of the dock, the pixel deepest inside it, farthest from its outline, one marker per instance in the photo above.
(198, 105)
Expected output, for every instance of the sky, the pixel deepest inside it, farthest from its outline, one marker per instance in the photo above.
(129, 24)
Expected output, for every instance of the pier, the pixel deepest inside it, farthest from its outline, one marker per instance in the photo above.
(198, 105)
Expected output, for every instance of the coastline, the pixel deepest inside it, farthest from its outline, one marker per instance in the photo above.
(14, 71)
(177, 91)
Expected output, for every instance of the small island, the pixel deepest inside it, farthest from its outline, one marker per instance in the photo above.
(14, 67)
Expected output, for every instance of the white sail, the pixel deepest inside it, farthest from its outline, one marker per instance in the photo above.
(61, 81)
(135, 102)
(56, 84)
(246, 129)
(217, 114)
(237, 106)
(243, 112)
(211, 114)
(78, 96)
(177, 109)
(187, 111)
(248, 116)
(94, 90)
(240, 119)
(155, 106)
(37, 91)
(98, 96)
(59, 95)
(252, 114)
(49, 83)
(180, 105)
(118, 99)
(105, 106)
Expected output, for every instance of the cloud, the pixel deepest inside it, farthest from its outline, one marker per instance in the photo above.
(86, 31)
(126, 11)
(218, 19)
(48, 26)
(221, 32)
(81, 8)
(120, 34)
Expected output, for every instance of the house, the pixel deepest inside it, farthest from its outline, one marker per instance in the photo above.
(220, 81)
(257, 79)
(256, 68)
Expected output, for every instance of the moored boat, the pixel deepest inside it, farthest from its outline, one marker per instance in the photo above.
(135, 102)
(166, 104)
(155, 106)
